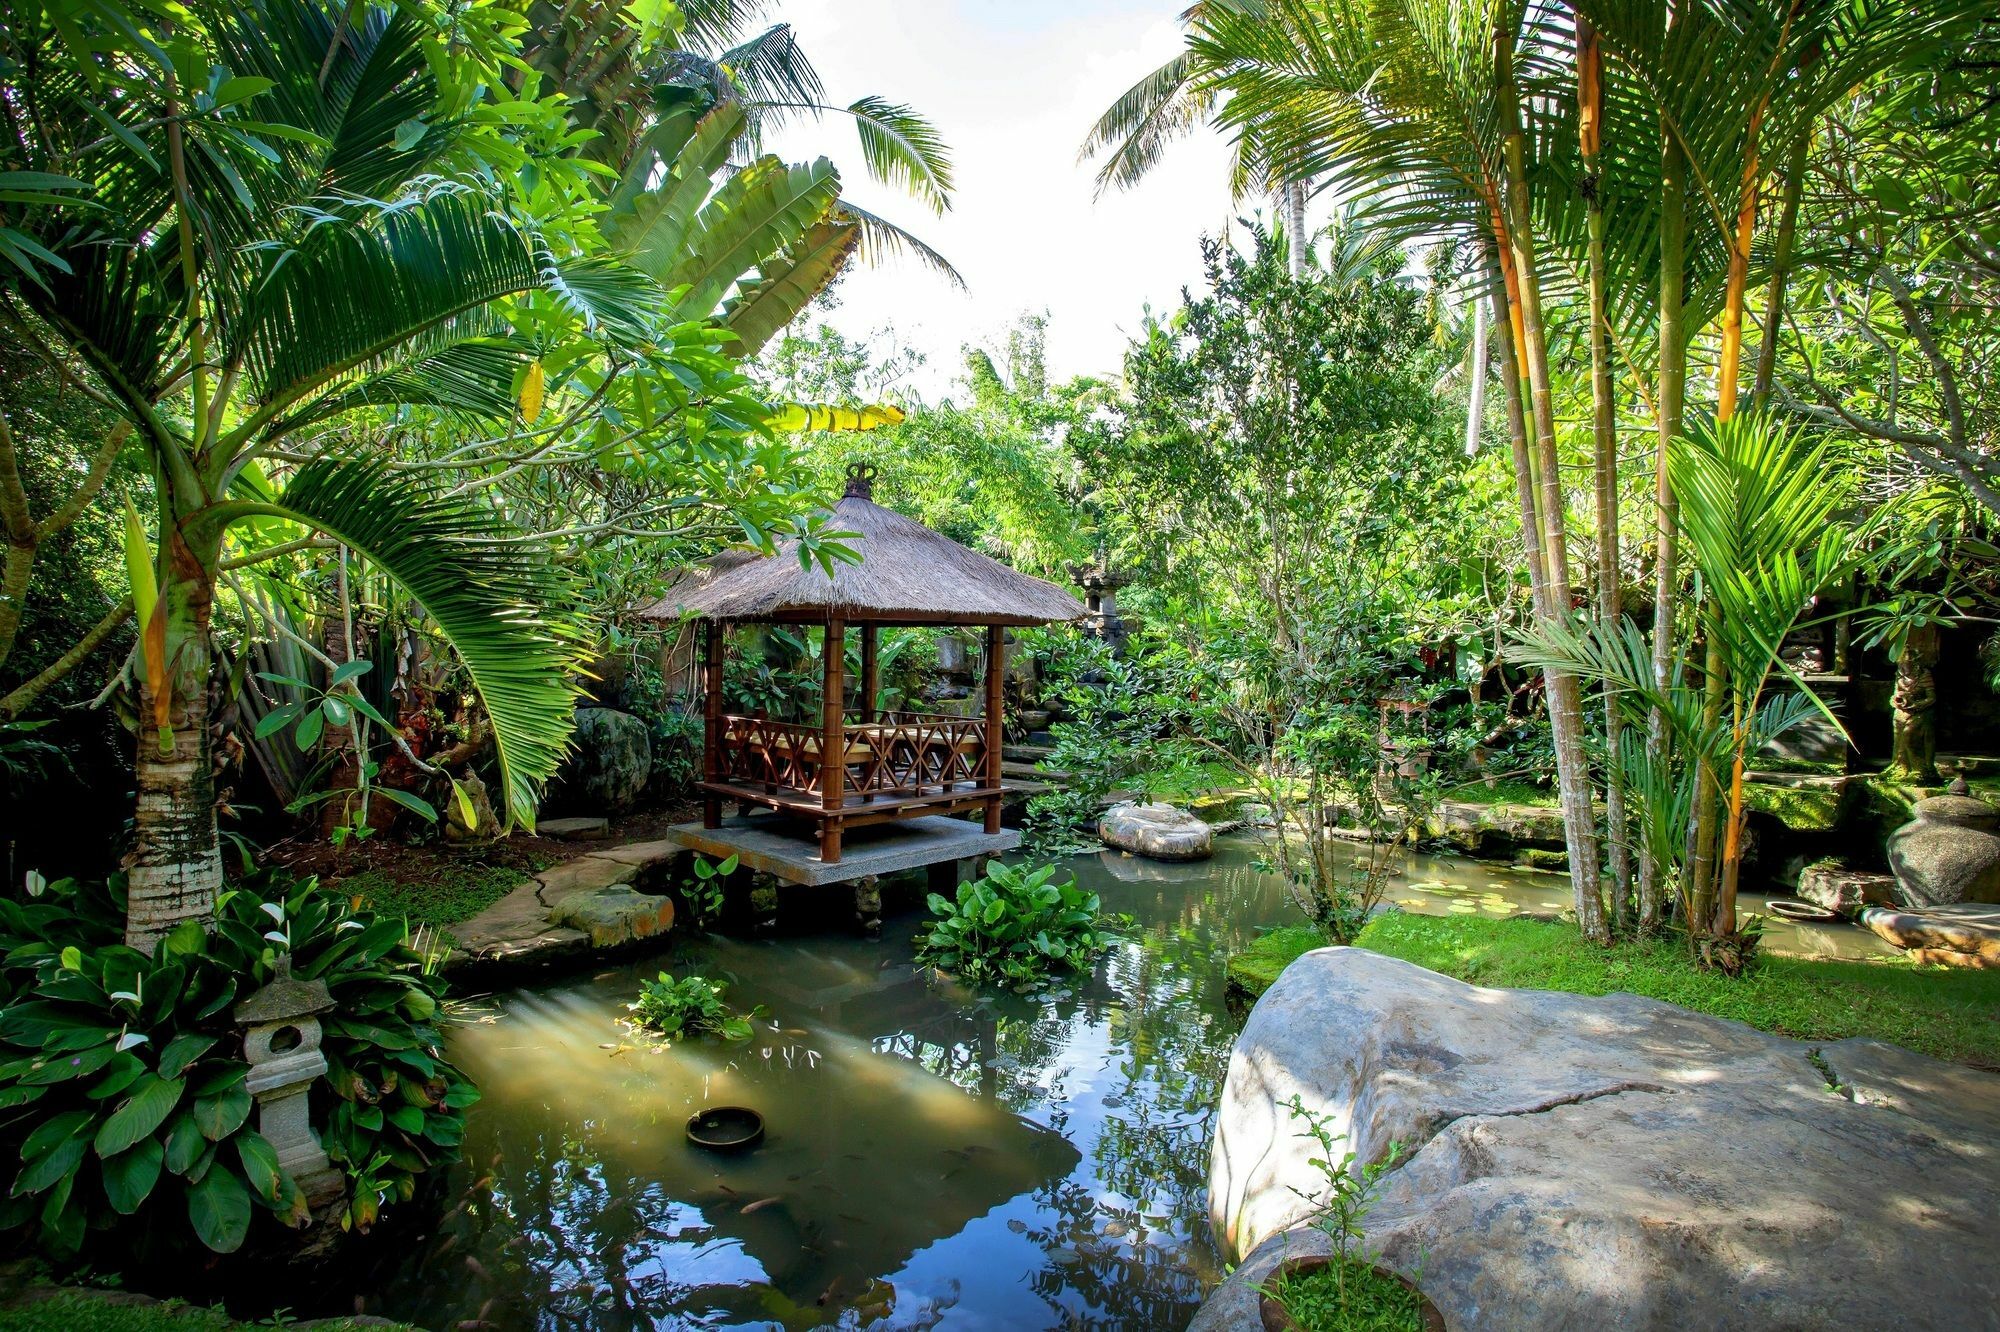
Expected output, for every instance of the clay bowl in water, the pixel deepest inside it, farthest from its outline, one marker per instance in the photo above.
(1791, 908)
(1275, 1318)
(726, 1128)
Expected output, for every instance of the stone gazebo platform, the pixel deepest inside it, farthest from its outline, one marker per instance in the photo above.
(859, 790)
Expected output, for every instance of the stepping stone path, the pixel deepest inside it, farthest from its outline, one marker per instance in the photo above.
(575, 830)
(569, 909)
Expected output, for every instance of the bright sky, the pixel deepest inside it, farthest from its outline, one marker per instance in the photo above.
(1013, 85)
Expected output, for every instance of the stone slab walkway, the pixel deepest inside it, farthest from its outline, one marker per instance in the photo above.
(605, 890)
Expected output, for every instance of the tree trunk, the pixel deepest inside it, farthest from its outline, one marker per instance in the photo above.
(1781, 264)
(1914, 747)
(1475, 404)
(174, 867)
(1671, 385)
(1565, 697)
(1605, 465)
(1295, 226)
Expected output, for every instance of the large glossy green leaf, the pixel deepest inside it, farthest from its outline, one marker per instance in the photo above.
(223, 1112)
(151, 1100)
(129, 1177)
(787, 283)
(260, 1166)
(219, 1210)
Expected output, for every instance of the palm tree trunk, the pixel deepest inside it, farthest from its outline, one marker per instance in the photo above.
(1590, 101)
(1476, 369)
(1564, 694)
(1668, 396)
(174, 867)
(1781, 265)
(1295, 226)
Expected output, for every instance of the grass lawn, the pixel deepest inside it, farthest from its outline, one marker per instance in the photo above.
(1940, 1011)
(1508, 791)
(81, 1312)
(444, 895)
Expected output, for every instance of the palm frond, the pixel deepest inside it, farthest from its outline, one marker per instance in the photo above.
(902, 148)
(497, 602)
(882, 240)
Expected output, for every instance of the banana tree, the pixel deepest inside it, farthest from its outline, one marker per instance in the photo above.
(1760, 506)
(294, 237)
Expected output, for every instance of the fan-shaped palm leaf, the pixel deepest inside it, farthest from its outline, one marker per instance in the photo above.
(491, 598)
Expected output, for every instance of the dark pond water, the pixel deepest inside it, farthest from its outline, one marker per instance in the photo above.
(936, 1158)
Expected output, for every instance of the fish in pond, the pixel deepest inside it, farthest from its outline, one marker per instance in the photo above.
(762, 1203)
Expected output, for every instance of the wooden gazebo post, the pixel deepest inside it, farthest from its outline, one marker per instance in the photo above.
(833, 736)
(996, 679)
(711, 718)
(871, 680)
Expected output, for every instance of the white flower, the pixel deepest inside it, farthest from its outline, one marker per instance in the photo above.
(130, 1039)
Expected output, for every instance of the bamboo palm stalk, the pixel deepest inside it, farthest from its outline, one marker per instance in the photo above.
(1590, 111)
(1668, 397)
(1565, 698)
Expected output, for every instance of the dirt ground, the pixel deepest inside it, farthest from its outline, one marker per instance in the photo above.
(310, 852)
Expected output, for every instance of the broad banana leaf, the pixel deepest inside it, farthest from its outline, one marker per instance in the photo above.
(784, 286)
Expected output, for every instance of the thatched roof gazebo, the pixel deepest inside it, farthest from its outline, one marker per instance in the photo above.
(860, 764)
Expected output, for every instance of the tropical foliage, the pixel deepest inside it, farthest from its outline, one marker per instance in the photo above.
(123, 1085)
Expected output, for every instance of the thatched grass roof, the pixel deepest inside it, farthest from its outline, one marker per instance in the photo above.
(908, 574)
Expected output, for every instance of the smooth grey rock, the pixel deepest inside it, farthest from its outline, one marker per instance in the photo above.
(1947, 853)
(612, 760)
(1837, 888)
(1584, 1163)
(615, 915)
(1159, 832)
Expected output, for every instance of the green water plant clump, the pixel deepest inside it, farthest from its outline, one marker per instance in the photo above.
(1015, 925)
(125, 1115)
(688, 1006)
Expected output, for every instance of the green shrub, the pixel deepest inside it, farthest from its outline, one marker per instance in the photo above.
(690, 1006)
(1348, 1297)
(122, 1085)
(1015, 926)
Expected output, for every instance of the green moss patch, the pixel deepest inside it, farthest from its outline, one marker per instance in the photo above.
(1940, 1011)
(1256, 968)
(1800, 808)
(86, 1311)
(1508, 792)
(445, 895)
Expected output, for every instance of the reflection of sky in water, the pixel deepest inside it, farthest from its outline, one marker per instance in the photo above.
(935, 1157)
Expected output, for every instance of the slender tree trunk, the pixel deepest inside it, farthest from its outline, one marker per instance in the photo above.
(1295, 226)
(1672, 384)
(174, 867)
(1476, 370)
(1604, 424)
(1564, 694)
(1781, 266)
(1700, 891)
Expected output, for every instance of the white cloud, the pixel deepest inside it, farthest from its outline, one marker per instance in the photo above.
(1013, 85)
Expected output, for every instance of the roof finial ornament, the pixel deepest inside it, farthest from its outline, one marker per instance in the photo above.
(860, 481)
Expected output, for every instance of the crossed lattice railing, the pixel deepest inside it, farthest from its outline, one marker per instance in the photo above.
(894, 754)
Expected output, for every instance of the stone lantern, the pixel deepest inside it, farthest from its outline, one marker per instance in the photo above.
(1100, 599)
(282, 1049)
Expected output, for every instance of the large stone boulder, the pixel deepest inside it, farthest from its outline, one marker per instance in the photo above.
(1584, 1163)
(1835, 887)
(1160, 832)
(610, 765)
(619, 914)
(1947, 853)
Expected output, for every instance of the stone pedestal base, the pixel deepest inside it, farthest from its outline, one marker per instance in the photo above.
(868, 904)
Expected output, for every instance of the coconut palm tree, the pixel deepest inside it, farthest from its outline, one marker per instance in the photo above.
(1177, 99)
(287, 227)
